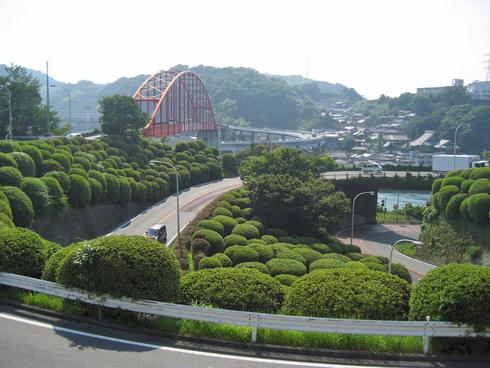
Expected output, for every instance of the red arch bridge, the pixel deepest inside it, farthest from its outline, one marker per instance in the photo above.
(176, 102)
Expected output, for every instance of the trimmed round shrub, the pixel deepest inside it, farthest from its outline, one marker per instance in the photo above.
(310, 255)
(287, 266)
(209, 262)
(63, 179)
(80, 194)
(124, 191)
(20, 205)
(357, 265)
(372, 259)
(21, 252)
(131, 266)
(6, 160)
(247, 212)
(224, 204)
(54, 187)
(465, 186)
(478, 207)
(63, 159)
(286, 280)
(113, 188)
(224, 259)
(10, 176)
(375, 266)
(480, 186)
(255, 265)
(239, 289)
(284, 252)
(82, 161)
(37, 191)
(453, 206)
(258, 241)
(140, 194)
(5, 205)
(322, 248)
(35, 154)
(401, 271)
(25, 163)
(96, 191)
(236, 211)
(481, 172)
(265, 252)
(241, 220)
(435, 201)
(466, 173)
(269, 239)
(234, 239)
(436, 185)
(248, 231)
(445, 194)
(214, 239)
(354, 256)
(452, 173)
(212, 225)
(347, 248)
(453, 180)
(228, 223)
(454, 292)
(339, 257)
(256, 224)
(50, 248)
(328, 263)
(9, 146)
(200, 245)
(349, 293)
(463, 209)
(222, 211)
(100, 177)
(239, 254)
(50, 165)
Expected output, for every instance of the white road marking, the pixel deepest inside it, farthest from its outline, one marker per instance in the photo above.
(175, 350)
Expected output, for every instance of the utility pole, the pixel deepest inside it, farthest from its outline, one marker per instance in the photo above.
(47, 99)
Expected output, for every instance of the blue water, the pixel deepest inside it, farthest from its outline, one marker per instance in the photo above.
(415, 197)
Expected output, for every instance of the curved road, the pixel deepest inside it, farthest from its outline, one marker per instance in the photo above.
(192, 201)
(377, 240)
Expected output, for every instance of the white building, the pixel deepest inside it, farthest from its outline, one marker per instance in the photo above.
(479, 90)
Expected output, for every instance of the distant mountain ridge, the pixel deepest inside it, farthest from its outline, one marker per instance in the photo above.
(256, 99)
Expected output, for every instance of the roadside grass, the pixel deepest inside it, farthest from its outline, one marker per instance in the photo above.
(226, 332)
(407, 248)
(392, 217)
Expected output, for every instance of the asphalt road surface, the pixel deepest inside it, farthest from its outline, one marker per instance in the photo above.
(192, 201)
(340, 175)
(32, 340)
(377, 240)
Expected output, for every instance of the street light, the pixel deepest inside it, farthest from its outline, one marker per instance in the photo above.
(9, 96)
(69, 100)
(454, 148)
(177, 185)
(415, 242)
(353, 209)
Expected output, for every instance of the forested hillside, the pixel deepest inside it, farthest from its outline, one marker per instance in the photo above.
(240, 96)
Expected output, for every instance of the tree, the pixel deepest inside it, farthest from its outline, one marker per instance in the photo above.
(28, 111)
(348, 143)
(120, 115)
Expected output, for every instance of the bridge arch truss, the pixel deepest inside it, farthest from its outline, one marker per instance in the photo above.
(176, 102)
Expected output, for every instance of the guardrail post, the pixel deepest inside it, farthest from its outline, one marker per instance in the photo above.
(254, 334)
(426, 338)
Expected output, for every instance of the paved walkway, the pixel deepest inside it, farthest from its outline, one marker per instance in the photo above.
(376, 240)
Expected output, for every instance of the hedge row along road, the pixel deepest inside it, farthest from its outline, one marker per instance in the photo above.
(376, 240)
(191, 202)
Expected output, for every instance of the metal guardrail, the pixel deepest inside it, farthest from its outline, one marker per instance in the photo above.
(426, 329)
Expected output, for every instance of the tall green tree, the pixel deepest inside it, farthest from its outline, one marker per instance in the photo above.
(28, 112)
(120, 115)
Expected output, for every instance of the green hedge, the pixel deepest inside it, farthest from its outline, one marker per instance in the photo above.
(465, 186)
(453, 180)
(286, 280)
(480, 186)
(209, 262)
(222, 211)
(329, 263)
(482, 172)
(349, 293)
(215, 240)
(453, 207)
(35, 154)
(25, 163)
(310, 255)
(131, 266)
(228, 222)
(234, 239)
(113, 188)
(454, 292)
(269, 239)
(80, 194)
(96, 191)
(6, 160)
(254, 265)
(10, 176)
(50, 165)
(63, 179)
(100, 177)
(265, 252)
(37, 192)
(124, 191)
(224, 259)
(21, 252)
(248, 231)
(436, 185)
(52, 264)
(279, 266)
(20, 205)
(239, 254)
(239, 289)
(479, 207)
(445, 194)
(212, 225)
(63, 159)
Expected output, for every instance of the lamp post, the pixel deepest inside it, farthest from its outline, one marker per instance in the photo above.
(353, 209)
(454, 147)
(177, 185)
(416, 242)
(9, 96)
(69, 100)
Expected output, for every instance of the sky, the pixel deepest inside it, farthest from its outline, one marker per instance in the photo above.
(375, 46)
